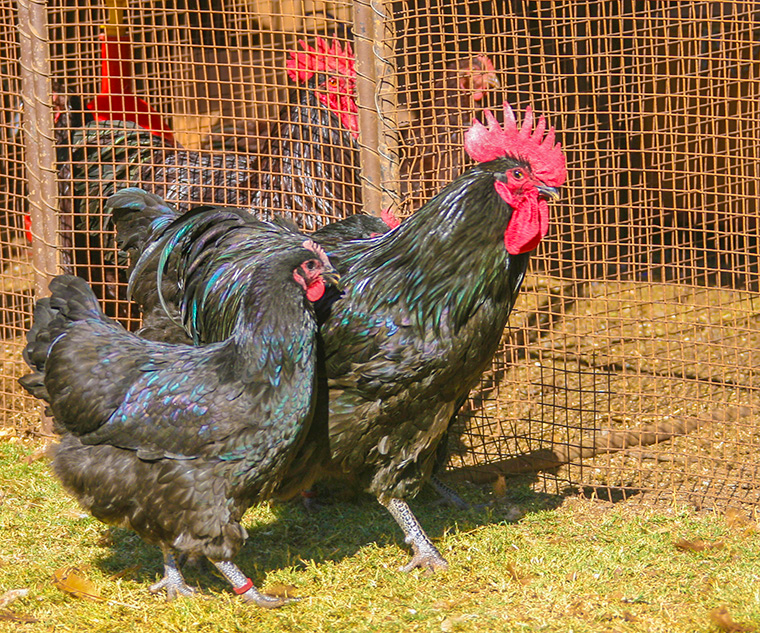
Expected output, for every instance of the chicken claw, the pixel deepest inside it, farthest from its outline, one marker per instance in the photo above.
(173, 582)
(244, 587)
(426, 556)
(429, 559)
(267, 602)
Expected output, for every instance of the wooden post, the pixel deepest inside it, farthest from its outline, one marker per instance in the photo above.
(376, 90)
(39, 141)
(39, 145)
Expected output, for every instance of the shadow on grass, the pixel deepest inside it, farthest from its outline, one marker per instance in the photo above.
(290, 535)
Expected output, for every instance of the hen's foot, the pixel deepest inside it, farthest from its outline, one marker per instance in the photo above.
(173, 588)
(426, 555)
(263, 600)
(173, 582)
(243, 586)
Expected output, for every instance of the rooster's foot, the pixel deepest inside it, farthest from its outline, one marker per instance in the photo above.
(426, 555)
(429, 559)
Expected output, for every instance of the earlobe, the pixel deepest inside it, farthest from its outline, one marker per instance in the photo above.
(504, 192)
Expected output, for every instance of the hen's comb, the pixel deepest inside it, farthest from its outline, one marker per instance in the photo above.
(331, 58)
(484, 143)
(311, 245)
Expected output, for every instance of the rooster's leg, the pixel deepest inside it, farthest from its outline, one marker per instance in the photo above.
(243, 586)
(172, 582)
(425, 553)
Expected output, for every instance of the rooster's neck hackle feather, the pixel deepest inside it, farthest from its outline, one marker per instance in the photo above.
(444, 260)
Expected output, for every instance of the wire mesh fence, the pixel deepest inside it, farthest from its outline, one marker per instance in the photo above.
(629, 365)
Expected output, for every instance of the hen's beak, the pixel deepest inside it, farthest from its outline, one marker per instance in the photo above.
(492, 81)
(331, 277)
(550, 193)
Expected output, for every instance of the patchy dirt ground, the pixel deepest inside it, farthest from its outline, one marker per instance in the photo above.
(609, 357)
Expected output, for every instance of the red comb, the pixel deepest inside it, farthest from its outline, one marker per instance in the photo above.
(484, 143)
(387, 216)
(486, 63)
(332, 58)
(317, 250)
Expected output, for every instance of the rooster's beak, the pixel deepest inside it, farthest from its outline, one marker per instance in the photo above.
(550, 193)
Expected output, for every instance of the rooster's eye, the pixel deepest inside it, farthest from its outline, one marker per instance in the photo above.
(517, 174)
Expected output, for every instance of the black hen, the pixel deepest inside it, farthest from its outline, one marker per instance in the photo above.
(176, 441)
(141, 219)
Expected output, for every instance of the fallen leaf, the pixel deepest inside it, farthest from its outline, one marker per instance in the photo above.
(629, 617)
(737, 519)
(450, 624)
(10, 616)
(35, 455)
(71, 580)
(512, 572)
(12, 595)
(281, 591)
(721, 618)
(698, 545)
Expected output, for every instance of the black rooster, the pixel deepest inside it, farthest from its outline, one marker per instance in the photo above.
(291, 175)
(175, 441)
(425, 143)
(422, 311)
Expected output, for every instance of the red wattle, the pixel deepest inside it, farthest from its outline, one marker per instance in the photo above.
(528, 224)
(315, 290)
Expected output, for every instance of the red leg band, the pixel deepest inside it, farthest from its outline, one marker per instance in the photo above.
(242, 589)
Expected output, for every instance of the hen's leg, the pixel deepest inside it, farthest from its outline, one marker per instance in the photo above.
(172, 582)
(448, 495)
(243, 586)
(425, 553)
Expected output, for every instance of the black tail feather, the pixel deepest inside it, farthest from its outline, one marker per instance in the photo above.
(71, 300)
(138, 216)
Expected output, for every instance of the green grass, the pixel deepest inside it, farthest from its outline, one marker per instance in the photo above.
(566, 565)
